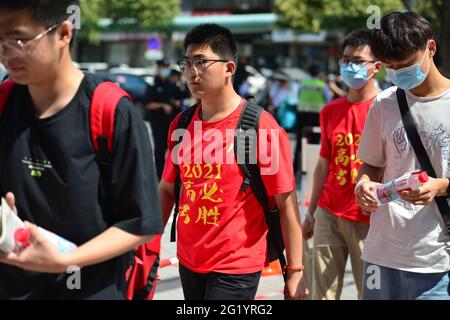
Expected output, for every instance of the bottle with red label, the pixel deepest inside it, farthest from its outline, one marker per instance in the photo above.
(390, 191)
(22, 237)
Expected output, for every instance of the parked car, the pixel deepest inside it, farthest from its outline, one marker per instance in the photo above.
(92, 67)
(136, 86)
(3, 73)
(148, 74)
(3, 76)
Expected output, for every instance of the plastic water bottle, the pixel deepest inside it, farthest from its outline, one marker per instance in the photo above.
(390, 191)
(23, 240)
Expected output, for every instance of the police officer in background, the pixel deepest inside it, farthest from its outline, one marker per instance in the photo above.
(163, 103)
(314, 94)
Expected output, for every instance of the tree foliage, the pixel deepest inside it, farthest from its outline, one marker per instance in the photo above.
(316, 15)
(142, 14)
(347, 15)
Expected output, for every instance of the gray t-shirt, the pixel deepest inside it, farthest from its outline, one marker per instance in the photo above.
(404, 236)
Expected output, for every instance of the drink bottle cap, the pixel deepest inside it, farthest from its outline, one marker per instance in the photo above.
(22, 235)
(423, 177)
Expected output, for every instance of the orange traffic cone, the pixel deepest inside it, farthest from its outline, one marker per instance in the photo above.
(273, 269)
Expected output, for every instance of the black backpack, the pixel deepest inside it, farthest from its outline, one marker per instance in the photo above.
(249, 120)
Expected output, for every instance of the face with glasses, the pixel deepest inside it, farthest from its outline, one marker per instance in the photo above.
(21, 47)
(199, 64)
(29, 51)
(360, 58)
(356, 61)
(205, 71)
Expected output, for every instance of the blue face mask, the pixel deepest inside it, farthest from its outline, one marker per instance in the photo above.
(409, 77)
(165, 73)
(354, 75)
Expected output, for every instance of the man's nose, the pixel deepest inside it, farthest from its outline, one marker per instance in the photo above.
(192, 71)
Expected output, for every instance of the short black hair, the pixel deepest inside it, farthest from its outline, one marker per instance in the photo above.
(218, 38)
(314, 70)
(357, 38)
(401, 34)
(46, 12)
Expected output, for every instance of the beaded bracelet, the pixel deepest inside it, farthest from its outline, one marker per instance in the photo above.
(297, 269)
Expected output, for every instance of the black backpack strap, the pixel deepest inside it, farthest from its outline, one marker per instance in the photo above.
(245, 147)
(152, 276)
(183, 123)
(421, 153)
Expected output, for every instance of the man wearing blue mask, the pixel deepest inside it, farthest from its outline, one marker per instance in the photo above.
(338, 225)
(406, 253)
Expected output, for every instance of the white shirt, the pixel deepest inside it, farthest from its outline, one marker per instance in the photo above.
(401, 235)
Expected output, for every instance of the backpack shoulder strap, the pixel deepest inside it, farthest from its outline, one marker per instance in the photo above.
(183, 123)
(102, 111)
(245, 147)
(103, 107)
(5, 91)
(186, 117)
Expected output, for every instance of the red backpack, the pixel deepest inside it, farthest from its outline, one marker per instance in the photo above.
(142, 274)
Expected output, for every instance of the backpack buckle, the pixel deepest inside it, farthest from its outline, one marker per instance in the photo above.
(245, 185)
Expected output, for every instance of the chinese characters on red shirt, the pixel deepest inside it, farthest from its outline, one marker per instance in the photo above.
(210, 194)
(345, 159)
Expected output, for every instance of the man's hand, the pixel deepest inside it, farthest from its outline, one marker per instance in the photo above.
(308, 227)
(295, 286)
(167, 108)
(40, 256)
(364, 196)
(11, 201)
(426, 193)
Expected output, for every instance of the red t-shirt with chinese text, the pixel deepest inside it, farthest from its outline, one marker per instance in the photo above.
(221, 228)
(341, 124)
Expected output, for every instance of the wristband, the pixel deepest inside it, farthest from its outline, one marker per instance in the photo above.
(296, 269)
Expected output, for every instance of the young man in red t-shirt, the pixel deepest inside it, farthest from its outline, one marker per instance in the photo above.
(221, 230)
(338, 224)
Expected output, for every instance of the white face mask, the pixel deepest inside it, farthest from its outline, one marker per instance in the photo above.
(409, 77)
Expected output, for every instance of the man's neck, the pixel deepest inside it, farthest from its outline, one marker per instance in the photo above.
(365, 93)
(216, 107)
(53, 95)
(434, 85)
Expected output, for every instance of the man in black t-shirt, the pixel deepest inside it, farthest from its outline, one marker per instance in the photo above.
(46, 125)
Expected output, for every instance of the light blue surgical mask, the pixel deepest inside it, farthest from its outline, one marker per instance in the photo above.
(165, 73)
(354, 75)
(409, 77)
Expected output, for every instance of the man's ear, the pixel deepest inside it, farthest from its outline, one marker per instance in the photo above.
(65, 33)
(432, 47)
(231, 68)
(377, 66)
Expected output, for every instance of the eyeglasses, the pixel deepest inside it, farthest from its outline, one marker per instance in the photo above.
(197, 64)
(19, 47)
(345, 61)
